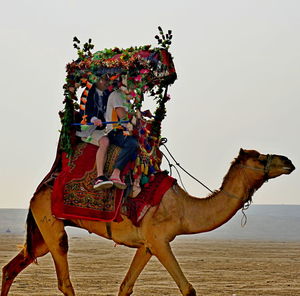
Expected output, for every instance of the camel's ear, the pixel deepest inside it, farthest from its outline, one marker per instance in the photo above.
(242, 152)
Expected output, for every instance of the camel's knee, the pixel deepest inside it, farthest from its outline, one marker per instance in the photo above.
(7, 280)
(7, 275)
(12, 269)
(16, 265)
(63, 242)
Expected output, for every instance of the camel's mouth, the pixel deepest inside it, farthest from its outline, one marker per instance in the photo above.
(290, 168)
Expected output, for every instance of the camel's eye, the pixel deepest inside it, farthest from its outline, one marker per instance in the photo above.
(262, 160)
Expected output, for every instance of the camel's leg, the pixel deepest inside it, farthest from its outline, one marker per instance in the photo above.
(164, 254)
(22, 260)
(140, 259)
(55, 237)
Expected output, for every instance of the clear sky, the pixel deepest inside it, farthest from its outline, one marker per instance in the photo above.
(238, 65)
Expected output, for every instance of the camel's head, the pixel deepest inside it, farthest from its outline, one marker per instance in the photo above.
(267, 165)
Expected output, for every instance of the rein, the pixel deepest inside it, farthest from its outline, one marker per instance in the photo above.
(266, 170)
(163, 143)
(246, 200)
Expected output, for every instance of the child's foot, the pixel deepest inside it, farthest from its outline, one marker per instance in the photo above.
(136, 189)
(118, 183)
(102, 182)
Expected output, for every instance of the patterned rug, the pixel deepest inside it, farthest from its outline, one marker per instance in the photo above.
(73, 194)
(151, 195)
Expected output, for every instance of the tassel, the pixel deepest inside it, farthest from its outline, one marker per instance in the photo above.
(144, 180)
(151, 170)
(83, 121)
(146, 169)
(89, 85)
(83, 100)
(137, 161)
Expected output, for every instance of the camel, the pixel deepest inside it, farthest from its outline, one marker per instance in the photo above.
(178, 213)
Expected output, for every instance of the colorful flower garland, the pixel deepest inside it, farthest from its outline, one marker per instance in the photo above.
(147, 70)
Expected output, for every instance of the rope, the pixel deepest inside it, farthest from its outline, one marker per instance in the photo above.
(163, 143)
(169, 163)
(170, 168)
(245, 208)
(179, 177)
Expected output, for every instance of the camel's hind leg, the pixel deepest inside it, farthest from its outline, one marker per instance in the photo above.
(38, 248)
(138, 263)
(55, 237)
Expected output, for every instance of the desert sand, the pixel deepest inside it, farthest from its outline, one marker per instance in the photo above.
(214, 267)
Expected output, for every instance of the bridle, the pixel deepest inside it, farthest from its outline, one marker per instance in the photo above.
(265, 170)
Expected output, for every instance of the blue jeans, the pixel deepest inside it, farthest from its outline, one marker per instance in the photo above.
(128, 144)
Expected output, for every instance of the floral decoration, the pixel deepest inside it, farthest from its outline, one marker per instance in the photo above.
(144, 69)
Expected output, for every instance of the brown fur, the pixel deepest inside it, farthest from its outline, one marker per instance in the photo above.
(178, 213)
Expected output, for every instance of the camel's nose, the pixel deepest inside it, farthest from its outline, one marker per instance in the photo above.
(289, 166)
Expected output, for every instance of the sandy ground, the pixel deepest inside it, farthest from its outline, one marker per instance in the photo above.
(214, 267)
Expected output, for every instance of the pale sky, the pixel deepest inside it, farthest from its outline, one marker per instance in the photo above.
(238, 65)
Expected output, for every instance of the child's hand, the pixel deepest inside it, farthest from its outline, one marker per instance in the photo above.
(96, 121)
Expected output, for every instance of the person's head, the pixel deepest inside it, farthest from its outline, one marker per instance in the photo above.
(102, 83)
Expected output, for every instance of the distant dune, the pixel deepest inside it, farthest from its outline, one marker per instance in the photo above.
(264, 222)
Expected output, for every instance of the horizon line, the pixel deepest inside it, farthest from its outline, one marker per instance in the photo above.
(10, 208)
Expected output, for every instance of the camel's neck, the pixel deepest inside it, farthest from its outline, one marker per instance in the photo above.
(209, 213)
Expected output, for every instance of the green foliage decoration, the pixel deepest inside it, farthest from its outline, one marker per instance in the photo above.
(148, 70)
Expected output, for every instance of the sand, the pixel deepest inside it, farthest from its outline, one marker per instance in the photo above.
(214, 267)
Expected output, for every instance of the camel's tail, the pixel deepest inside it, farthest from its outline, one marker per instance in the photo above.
(33, 236)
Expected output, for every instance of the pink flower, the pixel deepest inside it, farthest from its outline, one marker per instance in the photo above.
(133, 94)
(138, 78)
(144, 71)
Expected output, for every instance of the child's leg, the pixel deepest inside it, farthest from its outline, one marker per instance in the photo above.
(101, 155)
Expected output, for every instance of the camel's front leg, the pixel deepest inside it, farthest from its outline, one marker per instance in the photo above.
(140, 259)
(164, 254)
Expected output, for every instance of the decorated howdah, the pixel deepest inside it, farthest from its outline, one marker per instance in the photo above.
(139, 72)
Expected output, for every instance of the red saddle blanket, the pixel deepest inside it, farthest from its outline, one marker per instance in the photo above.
(136, 208)
(73, 195)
